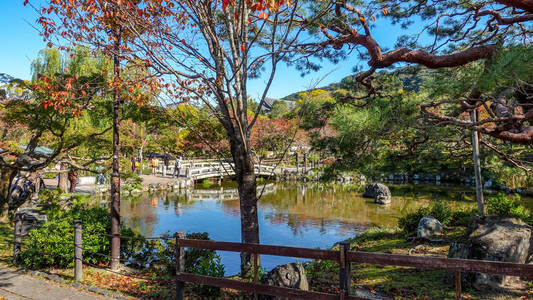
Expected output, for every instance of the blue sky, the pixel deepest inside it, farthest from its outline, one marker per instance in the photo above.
(21, 44)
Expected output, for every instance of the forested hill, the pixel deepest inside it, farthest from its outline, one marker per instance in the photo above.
(412, 78)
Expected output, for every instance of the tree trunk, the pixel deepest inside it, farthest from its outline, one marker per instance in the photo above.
(6, 177)
(244, 170)
(477, 166)
(62, 181)
(115, 173)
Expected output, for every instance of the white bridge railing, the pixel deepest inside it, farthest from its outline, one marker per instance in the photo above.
(197, 171)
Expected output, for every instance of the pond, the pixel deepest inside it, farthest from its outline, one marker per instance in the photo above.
(290, 214)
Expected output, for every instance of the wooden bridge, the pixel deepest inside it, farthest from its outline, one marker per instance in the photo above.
(198, 170)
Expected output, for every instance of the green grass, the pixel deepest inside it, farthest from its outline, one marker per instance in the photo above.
(398, 282)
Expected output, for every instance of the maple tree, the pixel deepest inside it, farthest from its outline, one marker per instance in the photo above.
(102, 26)
(264, 139)
(43, 112)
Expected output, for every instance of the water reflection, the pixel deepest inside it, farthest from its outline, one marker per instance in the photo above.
(303, 215)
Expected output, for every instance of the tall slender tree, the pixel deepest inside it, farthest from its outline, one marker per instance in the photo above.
(102, 26)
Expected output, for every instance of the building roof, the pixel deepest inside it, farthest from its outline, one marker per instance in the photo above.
(269, 102)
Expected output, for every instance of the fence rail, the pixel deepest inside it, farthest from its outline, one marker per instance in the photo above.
(344, 257)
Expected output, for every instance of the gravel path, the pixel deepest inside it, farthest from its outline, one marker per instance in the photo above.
(15, 285)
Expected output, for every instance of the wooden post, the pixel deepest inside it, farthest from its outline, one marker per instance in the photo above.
(477, 167)
(17, 236)
(180, 265)
(188, 173)
(78, 254)
(304, 168)
(297, 163)
(344, 270)
(457, 285)
(256, 263)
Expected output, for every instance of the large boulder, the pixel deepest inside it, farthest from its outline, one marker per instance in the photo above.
(379, 192)
(495, 238)
(428, 227)
(290, 276)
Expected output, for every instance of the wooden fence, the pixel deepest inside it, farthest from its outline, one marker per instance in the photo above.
(343, 257)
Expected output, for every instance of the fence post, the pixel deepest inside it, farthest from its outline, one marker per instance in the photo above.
(78, 254)
(344, 269)
(256, 265)
(457, 285)
(188, 172)
(180, 265)
(304, 168)
(17, 236)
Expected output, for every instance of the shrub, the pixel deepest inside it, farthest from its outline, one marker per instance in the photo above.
(503, 205)
(132, 181)
(160, 255)
(206, 183)
(408, 223)
(52, 244)
(462, 217)
(440, 211)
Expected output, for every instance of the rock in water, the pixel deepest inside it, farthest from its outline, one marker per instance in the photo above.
(290, 276)
(428, 227)
(495, 238)
(379, 192)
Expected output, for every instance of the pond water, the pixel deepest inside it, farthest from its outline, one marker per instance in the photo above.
(290, 214)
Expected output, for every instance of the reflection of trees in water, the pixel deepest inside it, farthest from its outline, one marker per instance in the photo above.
(141, 215)
(300, 205)
(231, 207)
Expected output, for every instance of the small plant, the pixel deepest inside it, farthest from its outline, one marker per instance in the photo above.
(132, 182)
(503, 205)
(462, 217)
(440, 211)
(206, 183)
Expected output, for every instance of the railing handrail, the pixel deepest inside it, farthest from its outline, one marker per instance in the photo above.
(422, 262)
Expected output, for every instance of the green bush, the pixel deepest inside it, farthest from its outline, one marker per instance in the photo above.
(132, 181)
(440, 211)
(503, 205)
(462, 217)
(206, 183)
(52, 244)
(408, 223)
(160, 255)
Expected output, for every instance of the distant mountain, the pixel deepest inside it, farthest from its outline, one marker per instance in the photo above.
(412, 77)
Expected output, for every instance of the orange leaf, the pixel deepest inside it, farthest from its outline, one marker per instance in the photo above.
(384, 10)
